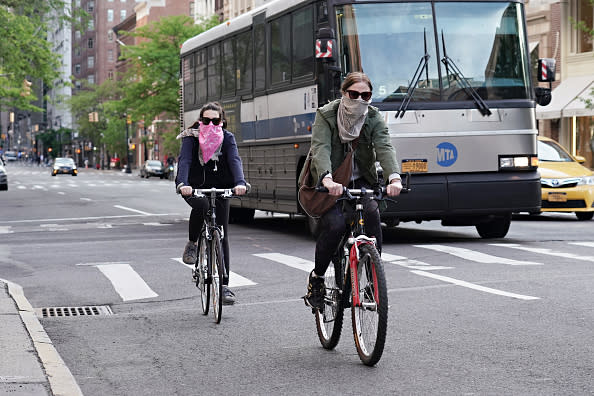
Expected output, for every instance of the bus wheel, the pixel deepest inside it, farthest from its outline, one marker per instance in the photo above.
(494, 228)
(313, 225)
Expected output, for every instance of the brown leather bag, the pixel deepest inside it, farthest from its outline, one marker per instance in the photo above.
(315, 203)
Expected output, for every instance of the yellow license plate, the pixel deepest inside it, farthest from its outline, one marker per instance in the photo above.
(414, 165)
(557, 197)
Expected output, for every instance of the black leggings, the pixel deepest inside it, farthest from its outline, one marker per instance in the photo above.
(333, 225)
(199, 209)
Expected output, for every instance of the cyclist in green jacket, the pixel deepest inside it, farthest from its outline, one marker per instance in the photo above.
(336, 126)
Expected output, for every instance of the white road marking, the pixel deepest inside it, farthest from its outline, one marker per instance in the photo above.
(290, 261)
(5, 230)
(86, 218)
(126, 282)
(86, 199)
(235, 280)
(132, 210)
(474, 287)
(410, 263)
(545, 251)
(478, 257)
(588, 244)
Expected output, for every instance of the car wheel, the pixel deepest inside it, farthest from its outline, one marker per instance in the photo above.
(584, 215)
(494, 228)
(53, 174)
(4, 187)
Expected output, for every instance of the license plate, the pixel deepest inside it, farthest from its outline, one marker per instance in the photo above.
(414, 165)
(557, 197)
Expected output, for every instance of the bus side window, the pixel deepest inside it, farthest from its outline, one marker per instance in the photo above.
(243, 58)
(228, 67)
(214, 72)
(280, 50)
(201, 93)
(259, 52)
(303, 39)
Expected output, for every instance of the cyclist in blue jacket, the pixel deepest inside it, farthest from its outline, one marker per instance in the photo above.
(209, 158)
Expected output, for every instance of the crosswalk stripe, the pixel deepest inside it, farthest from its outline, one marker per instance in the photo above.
(474, 286)
(410, 263)
(235, 279)
(587, 244)
(478, 257)
(290, 261)
(127, 283)
(546, 251)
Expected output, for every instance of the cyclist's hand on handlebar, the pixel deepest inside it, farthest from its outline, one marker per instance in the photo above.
(333, 188)
(393, 189)
(240, 189)
(185, 190)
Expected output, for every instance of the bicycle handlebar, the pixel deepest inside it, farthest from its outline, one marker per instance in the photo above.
(376, 192)
(224, 192)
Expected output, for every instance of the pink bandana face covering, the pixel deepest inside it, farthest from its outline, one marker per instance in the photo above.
(210, 138)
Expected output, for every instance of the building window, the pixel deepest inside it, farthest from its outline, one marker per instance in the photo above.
(90, 43)
(110, 36)
(110, 55)
(76, 51)
(90, 6)
(90, 62)
(77, 35)
(77, 84)
(91, 26)
(77, 3)
(110, 15)
(110, 74)
(91, 79)
(77, 68)
(122, 15)
(585, 15)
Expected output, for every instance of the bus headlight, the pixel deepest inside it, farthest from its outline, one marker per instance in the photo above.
(519, 162)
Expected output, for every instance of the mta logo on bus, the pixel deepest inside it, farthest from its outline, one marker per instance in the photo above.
(447, 154)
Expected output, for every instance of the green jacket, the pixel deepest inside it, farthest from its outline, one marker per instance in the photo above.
(374, 145)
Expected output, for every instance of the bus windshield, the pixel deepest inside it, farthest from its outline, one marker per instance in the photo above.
(480, 44)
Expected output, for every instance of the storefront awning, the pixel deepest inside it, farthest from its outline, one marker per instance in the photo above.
(567, 99)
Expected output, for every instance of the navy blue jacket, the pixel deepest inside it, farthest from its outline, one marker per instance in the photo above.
(226, 172)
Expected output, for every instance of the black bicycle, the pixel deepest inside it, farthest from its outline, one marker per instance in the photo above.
(356, 279)
(210, 270)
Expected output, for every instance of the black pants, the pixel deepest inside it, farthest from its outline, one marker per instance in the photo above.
(333, 225)
(199, 209)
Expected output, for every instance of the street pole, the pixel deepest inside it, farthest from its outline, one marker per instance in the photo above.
(128, 168)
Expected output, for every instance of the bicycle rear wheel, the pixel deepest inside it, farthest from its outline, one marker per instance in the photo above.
(329, 323)
(202, 266)
(217, 272)
(370, 316)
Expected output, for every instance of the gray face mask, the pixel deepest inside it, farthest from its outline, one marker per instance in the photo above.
(351, 117)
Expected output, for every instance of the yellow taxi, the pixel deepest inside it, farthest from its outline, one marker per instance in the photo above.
(567, 186)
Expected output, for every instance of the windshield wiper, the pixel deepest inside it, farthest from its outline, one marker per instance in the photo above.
(449, 63)
(423, 64)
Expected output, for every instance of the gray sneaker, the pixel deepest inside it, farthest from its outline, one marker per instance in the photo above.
(190, 253)
(228, 296)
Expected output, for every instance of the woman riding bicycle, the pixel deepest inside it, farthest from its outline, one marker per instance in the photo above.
(209, 158)
(349, 122)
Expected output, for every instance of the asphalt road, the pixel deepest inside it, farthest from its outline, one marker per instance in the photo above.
(467, 316)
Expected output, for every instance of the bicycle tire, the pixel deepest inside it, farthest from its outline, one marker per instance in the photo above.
(370, 317)
(217, 272)
(329, 323)
(202, 266)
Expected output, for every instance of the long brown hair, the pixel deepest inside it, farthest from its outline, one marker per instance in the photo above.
(353, 78)
(216, 106)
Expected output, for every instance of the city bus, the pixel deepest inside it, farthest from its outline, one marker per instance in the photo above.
(452, 79)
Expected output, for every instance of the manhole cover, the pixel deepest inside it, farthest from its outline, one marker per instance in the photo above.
(95, 310)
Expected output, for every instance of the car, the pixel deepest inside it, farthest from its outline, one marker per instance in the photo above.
(10, 156)
(3, 177)
(152, 168)
(64, 165)
(567, 186)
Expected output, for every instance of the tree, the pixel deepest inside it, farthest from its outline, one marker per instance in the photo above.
(25, 52)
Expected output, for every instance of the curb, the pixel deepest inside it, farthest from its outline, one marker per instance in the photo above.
(61, 380)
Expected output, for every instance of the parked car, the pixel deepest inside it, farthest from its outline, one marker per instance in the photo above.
(567, 186)
(64, 165)
(10, 156)
(152, 168)
(3, 177)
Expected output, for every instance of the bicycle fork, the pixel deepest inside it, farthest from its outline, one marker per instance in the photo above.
(354, 260)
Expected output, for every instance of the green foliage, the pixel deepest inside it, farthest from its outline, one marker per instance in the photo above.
(25, 52)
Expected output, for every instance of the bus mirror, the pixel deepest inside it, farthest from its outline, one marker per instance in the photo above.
(325, 44)
(546, 70)
(543, 96)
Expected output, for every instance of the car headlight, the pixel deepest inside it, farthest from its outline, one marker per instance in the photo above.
(588, 180)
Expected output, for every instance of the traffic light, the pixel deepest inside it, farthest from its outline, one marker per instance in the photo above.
(94, 117)
(129, 119)
(49, 149)
(133, 146)
(26, 88)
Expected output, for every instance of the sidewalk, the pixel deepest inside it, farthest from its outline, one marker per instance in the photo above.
(29, 363)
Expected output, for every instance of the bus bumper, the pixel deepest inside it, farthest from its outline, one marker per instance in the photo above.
(466, 198)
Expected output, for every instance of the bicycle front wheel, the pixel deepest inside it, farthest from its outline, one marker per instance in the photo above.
(217, 272)
(329, 323)
(201, 271)
(370, 315)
